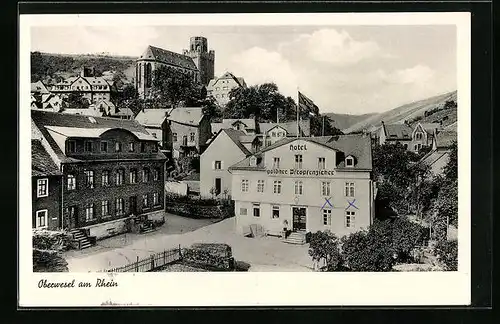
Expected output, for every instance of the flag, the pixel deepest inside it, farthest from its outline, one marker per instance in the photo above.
(306, 104)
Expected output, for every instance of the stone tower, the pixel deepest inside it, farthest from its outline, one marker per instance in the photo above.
(202, 57)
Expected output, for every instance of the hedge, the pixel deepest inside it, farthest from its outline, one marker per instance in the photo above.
(212, 256)
(190, 209)
(48, 261)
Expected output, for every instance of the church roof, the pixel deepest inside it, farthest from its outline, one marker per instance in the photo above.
(168, 57)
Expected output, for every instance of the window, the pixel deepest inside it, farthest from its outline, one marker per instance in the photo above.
(191, 137)
(415, 147)
(156, 174)
(321, 163)
(243, 211)
(276, 212)
(276, 163)
(349, 189)
(298, 187)
(298, 161)
(89, 178)
(349, 218)
(118, 147)
(244, 185)
(218, 165)
(41, 218)
(156, 200)
(277, 186)
(253, 161)
(273, 134)
(89, 212)
(131, 147)
(143, 147)
(256, 210)
(105, 208)
(133, 176)
(327, 216)
(42, 187)
(145, 175)
(119, 210)
(120, 174)
(349, 161)
(145, 201)
(325, 188)
(88, 146)
(71, 147)
(71, 182)
(260, 185)
(105, 178)
(268, 142)
(104, 146)
(154, 135)
(154, 147)
(418, 136)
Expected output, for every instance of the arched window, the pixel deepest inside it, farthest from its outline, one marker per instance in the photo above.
(148, 75)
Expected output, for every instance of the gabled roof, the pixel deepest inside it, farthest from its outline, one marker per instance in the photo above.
(228, 75)
(433, 156)
(444, 139)
(430, 127)
(186, 115)
(39, 87)
(247, 138)
(290, 127)
(41, 162)
(235, 135)
(168, 57)
(397, 131)
(356, 145)
(68, 125)
(249, 123)
(152, 117)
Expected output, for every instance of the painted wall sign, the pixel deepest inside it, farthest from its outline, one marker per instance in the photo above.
(298, 147)
(300, 173)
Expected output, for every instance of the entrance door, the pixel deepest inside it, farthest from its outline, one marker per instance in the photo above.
(218, 185)
(133, 205)
(299, 218)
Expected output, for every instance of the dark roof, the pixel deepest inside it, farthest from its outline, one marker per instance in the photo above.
(170, 58)
(235, 135)
(356, 145)
(444, 139)
(41, 162)
(398, 132)
(290, 127)
(42, 119)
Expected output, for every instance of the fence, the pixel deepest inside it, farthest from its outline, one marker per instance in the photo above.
(152, 262)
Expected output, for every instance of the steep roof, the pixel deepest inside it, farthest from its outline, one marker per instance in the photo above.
(152, 117)
(290, 127)
(398, 131)
(68, 125)
(39, 87)
(430, 127)
(228, 75)
(41, 162)
(356, 145)
(186, 115)
(235, 135)
(168, 57)
(444, 139)
(433, 156)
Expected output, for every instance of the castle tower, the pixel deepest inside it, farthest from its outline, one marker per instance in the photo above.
(202, 57)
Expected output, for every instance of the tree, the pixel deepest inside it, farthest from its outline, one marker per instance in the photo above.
(172, 87)
(447, 253)
(324, 246)
(76, 100)
(406, 236)
(451, 169)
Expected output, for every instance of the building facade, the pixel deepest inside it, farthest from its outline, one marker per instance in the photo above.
(203, 58)
(220, 87)
(188, 130)
(395, 133)
(306, 185)
(46, 189)
(89, 86)
(439, 154)
(423, 135)
(112, 169)
(225, 149)
(155, 122)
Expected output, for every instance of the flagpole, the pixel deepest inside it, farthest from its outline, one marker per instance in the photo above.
(298, 107)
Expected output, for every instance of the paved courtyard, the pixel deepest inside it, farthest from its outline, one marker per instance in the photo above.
(262, 254)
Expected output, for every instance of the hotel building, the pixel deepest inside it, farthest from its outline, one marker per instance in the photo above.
(306, 184)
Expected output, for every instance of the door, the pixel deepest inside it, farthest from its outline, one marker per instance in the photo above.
(218, 185)
(299, 218)
(133, 205)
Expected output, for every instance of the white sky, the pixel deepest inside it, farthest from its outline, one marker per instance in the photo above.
(343, 69)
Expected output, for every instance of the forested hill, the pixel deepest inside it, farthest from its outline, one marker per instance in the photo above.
(343, 121)
(51, 68)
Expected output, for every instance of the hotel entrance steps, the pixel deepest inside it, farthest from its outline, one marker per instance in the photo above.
(296, 238)
(81, 238)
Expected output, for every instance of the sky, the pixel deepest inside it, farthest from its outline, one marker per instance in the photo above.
(343, 69)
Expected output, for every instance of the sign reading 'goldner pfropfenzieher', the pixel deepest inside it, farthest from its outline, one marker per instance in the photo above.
(300, 173)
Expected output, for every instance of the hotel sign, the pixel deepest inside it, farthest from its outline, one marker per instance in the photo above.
(300, 173)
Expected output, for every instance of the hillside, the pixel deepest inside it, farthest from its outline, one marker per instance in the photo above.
(428, 110)
(52, 67)
(343, 121)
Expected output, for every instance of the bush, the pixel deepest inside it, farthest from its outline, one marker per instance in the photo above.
(48, 261)
(406, 236)
(215, 256)
(447, 253)
(324, 247)
(51, 240)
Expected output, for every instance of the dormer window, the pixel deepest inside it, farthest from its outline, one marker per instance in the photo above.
(349, 161)
(253, 161)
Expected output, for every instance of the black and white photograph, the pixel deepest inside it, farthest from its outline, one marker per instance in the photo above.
(313, 148)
